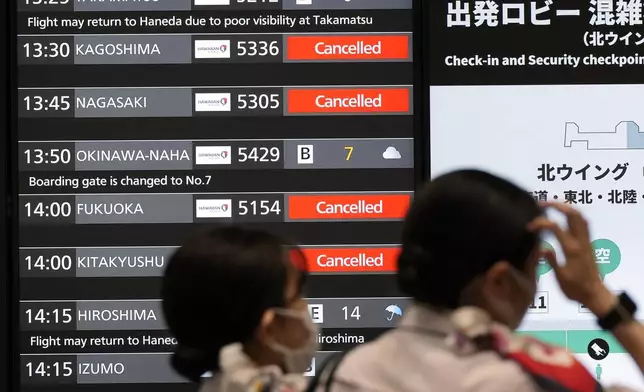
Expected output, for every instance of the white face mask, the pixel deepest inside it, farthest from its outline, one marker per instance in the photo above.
(505, 308)
(297, 360)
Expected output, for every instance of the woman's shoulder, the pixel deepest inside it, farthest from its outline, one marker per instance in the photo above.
(389, 364)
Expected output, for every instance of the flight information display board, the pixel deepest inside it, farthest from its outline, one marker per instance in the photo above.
(140, 121)
(546, 94)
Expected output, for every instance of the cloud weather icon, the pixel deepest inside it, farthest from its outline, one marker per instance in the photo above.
(391, 153)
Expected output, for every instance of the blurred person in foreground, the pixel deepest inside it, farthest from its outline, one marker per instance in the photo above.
(232, 297)
(470, 249)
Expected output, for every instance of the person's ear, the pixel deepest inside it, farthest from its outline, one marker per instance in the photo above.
(496, 279)
(264, 330)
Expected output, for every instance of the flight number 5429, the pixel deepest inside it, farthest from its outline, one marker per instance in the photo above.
(258, 154)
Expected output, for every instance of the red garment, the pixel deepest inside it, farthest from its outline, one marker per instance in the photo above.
(552, 368)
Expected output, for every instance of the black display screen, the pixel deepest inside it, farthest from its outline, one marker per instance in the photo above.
(141, 121)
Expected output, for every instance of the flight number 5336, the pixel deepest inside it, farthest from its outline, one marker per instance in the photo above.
(258, 48)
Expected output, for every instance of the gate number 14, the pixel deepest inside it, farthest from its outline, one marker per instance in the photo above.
(353, 313)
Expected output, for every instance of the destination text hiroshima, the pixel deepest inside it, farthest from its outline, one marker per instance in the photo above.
(93, 315)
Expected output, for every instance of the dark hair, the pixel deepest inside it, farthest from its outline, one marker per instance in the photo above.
(216, 289)
(457, 228)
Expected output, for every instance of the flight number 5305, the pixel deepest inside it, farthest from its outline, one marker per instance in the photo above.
(258, 101)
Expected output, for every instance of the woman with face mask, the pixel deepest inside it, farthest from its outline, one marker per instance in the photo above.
(470, 250)
(232, 297)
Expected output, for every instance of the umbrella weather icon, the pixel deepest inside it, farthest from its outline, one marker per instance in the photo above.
(394, 310)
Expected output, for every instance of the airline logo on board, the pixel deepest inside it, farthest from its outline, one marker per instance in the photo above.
(212, 49)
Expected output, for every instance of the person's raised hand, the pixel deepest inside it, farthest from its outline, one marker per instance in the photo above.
(579, 278)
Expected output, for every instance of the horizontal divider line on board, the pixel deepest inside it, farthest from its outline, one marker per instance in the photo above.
(216, 193)
(136, 353)
(224, 33)
(176, 246)
(158, 300)
(219, 87)
(215, 140)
